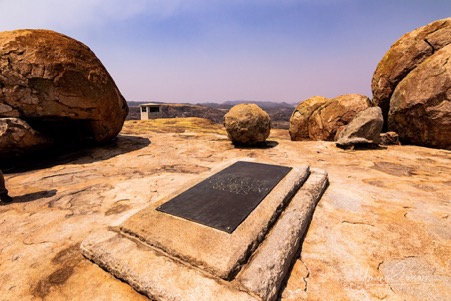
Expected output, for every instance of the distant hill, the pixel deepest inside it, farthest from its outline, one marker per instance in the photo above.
(179, 111)
(262, 104)
(279, 113)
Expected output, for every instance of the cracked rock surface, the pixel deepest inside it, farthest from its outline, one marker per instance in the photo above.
(58, 86)
(380, 231)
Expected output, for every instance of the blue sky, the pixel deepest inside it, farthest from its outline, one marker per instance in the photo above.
(218, 50)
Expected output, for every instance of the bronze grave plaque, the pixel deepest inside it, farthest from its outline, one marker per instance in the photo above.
(225, 199)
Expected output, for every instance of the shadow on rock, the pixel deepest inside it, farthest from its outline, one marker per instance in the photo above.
(263, 145)
(81, 154)
(362, 147)
(29, 197)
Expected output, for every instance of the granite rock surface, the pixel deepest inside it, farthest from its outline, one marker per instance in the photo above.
(381, 230)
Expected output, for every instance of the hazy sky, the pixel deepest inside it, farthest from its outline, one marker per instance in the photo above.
(218, 50)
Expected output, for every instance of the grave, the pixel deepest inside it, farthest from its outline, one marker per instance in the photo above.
(225, 199)
(230, 236)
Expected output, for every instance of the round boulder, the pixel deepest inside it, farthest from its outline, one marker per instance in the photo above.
(329, 119)
(58, 86)
(247, 125)
(299, 121)
(406, 54)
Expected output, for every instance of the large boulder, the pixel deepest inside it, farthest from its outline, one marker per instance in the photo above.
(58, 86)
(364, 129)
(330, 119)
(406, 54)
(17, 137)
(247, 125)
(420, 107)
(299, 121)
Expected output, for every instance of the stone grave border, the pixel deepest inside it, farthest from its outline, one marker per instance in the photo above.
(162, 274)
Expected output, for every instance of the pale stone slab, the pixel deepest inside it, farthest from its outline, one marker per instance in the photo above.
(217, 252)
(153, 274)
(273, 258)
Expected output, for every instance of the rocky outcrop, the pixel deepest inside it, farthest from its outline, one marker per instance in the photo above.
(420, 107)
(16, 136)
(247, 125)
(320, 118)
(408, 53)
(380, 231)
(364, 129)
(58, 86)
(299, 121)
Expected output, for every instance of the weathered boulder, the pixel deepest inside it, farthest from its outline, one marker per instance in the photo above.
(404, 55)
(58, 86)
(17, 136)
(330, 118)
(420, 107)
(247, 124)
(365, 129)
(299, 121)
